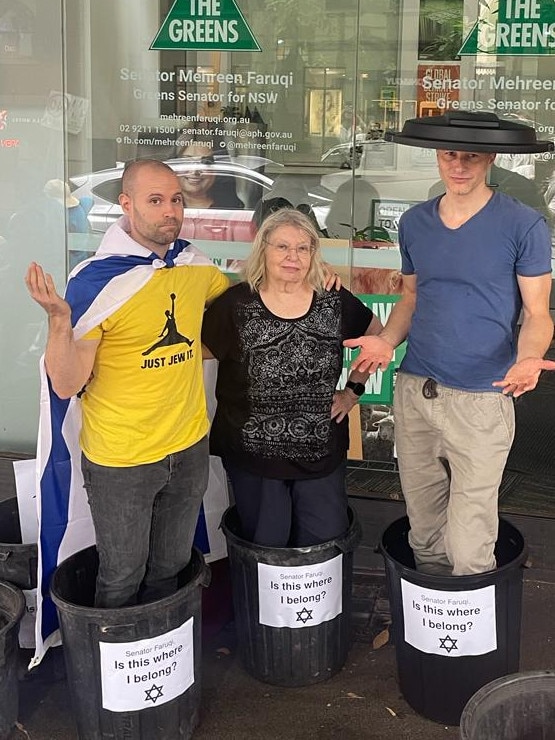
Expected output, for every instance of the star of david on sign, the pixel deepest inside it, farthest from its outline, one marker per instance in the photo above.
(304, 615)
(447, 643)
(154, 693)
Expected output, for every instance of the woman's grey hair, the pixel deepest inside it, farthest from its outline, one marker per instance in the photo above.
(254, 271)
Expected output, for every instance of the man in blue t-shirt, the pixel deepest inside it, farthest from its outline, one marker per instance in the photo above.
(473, 261)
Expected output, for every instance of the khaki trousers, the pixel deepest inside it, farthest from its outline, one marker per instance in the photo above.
(452, 450)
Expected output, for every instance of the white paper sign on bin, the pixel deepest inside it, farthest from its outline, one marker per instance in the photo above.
(300, 595)
(145, 673)
(449, 623)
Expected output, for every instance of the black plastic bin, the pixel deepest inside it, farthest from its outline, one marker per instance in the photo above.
(301, 586)
(133, 672)
(12, 606)
(446, 650)
(18, 562)
(516, 707)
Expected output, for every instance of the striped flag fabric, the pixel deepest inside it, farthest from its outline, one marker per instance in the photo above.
(96, 288)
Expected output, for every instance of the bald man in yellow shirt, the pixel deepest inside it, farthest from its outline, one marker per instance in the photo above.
(126, 338)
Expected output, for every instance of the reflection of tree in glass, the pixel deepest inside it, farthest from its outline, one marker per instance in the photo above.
(440, 30)
(288, 16)
(487, 25)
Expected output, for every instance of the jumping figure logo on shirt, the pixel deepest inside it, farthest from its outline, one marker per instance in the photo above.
(169, 335)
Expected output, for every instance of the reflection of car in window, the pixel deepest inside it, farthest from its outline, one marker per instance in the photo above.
(229, 222)
(342, 155)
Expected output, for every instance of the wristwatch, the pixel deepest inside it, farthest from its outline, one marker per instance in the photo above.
(357, 388)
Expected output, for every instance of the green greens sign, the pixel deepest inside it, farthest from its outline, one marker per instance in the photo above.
(210, 25)
(379, 386)
(512, 27)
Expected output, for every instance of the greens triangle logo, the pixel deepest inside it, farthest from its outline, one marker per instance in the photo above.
(512, 27)
(210, 25)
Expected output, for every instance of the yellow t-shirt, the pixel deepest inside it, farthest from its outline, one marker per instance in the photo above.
(146, 398)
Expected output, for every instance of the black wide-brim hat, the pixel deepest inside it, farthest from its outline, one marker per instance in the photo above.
(469, 132)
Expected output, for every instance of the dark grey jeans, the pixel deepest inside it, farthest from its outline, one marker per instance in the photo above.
(290, 513)
(144, 519)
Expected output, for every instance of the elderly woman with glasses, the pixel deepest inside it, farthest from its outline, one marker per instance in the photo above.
(281, 425)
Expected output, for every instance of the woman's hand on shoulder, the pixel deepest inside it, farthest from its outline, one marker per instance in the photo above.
(331, 278)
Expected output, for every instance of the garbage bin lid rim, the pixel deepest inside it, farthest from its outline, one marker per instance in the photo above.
(471, 132)
(456, 583)
(311, 550)
(166, 602)
(336, 542)
(522, 678)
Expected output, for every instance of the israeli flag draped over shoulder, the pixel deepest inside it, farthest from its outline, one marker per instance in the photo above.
(96, 288)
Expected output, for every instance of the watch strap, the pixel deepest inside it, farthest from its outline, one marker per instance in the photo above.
(357, 388)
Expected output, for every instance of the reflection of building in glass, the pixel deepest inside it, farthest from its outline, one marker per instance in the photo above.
(352, 70)
(17, 23)
(325, 112)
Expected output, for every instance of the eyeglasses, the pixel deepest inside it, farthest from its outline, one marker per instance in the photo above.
(302, 250)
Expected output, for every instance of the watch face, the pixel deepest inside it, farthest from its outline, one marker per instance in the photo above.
(357, 388)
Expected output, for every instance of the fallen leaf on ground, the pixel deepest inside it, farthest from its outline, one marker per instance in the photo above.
(352, 695)
(391, 712)
(381, 639)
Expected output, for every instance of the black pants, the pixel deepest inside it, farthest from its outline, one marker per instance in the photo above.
(290, 513)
